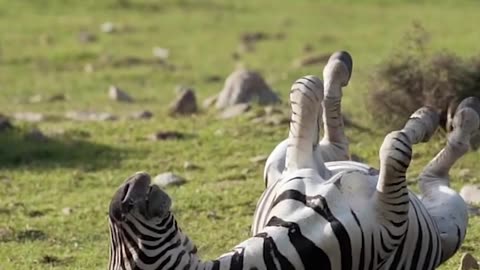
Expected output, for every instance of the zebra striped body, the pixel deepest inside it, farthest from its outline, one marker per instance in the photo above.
(339, 216)
(335, 215)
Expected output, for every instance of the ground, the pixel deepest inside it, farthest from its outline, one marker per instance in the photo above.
(55, 195)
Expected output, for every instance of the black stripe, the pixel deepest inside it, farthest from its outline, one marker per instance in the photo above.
(338, 229)
(312, 256)
(418, 245)
(271, 253)
(362, 250)
(236, 262)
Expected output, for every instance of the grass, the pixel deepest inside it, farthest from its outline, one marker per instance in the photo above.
(40, 54)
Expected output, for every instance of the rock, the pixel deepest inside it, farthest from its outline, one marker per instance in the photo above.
(86, 37)
(90, 116)
(213, 215)
(166, 135)
(187, 165)
(234, 111)
(108, 27)
(471, 194)
(468, 262)
(213, 79)
(185, 103)
(243, 86)
(35, 99)
(168, 179)
(254, 37)
(276, 120)
(141, 115)
(259, 159)
(5, 234)
(117, 94)
(311, 60)
(5, 123)
(57, 97)
(160, 53)
(209, 101)
(67, 211)
(28, 117)
(36, 135)
(52, 98)
(88, 68)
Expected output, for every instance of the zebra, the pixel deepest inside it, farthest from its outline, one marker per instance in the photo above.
(355, 218)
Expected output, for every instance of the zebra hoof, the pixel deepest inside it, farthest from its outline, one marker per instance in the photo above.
(428, 118)
(466, 120)
(339, 67)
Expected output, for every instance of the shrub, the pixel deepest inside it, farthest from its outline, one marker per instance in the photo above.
(412, 77)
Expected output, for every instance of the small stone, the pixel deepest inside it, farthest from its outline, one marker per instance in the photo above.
(213, 79)
(117, 94)
(35, 99)
(5, 123)
(168, 179)
(471, 194)
(86, 37)
(67, 211)
(166, 135)
(209, 101)
(57, 97)
(468, 262)
(213, 215)
(90, 116)
(88, 68)
(141, 115)
(36, 135)
(187, 165)
(311, 60)
(5, 234)
(29, 117)
(276, 120)
(259, 159)
(108, 27)
(160, 53)
(234, 111)
(185, 103)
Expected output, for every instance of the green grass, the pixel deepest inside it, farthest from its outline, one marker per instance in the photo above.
(40, 54)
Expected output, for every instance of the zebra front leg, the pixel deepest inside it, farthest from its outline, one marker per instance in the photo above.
(444, 204)
(306, 98)
(336, 74)
(391, 200)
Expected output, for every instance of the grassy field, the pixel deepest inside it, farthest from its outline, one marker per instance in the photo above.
(81, 166)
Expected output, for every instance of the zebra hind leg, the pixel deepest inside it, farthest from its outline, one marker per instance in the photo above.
(444, 204)
(336, 74)
(391, 198)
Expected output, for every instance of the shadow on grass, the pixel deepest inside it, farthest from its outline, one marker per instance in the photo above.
(17, 150)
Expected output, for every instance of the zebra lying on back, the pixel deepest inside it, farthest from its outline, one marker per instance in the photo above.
(317, 215)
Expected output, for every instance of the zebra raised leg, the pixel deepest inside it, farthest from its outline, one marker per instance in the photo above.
(306, 97)
(444, 204)
(336, 75)
(310, 89)
(392, 197)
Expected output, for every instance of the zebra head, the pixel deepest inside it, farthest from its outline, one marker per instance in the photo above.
(138, 199)
(143, 232)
